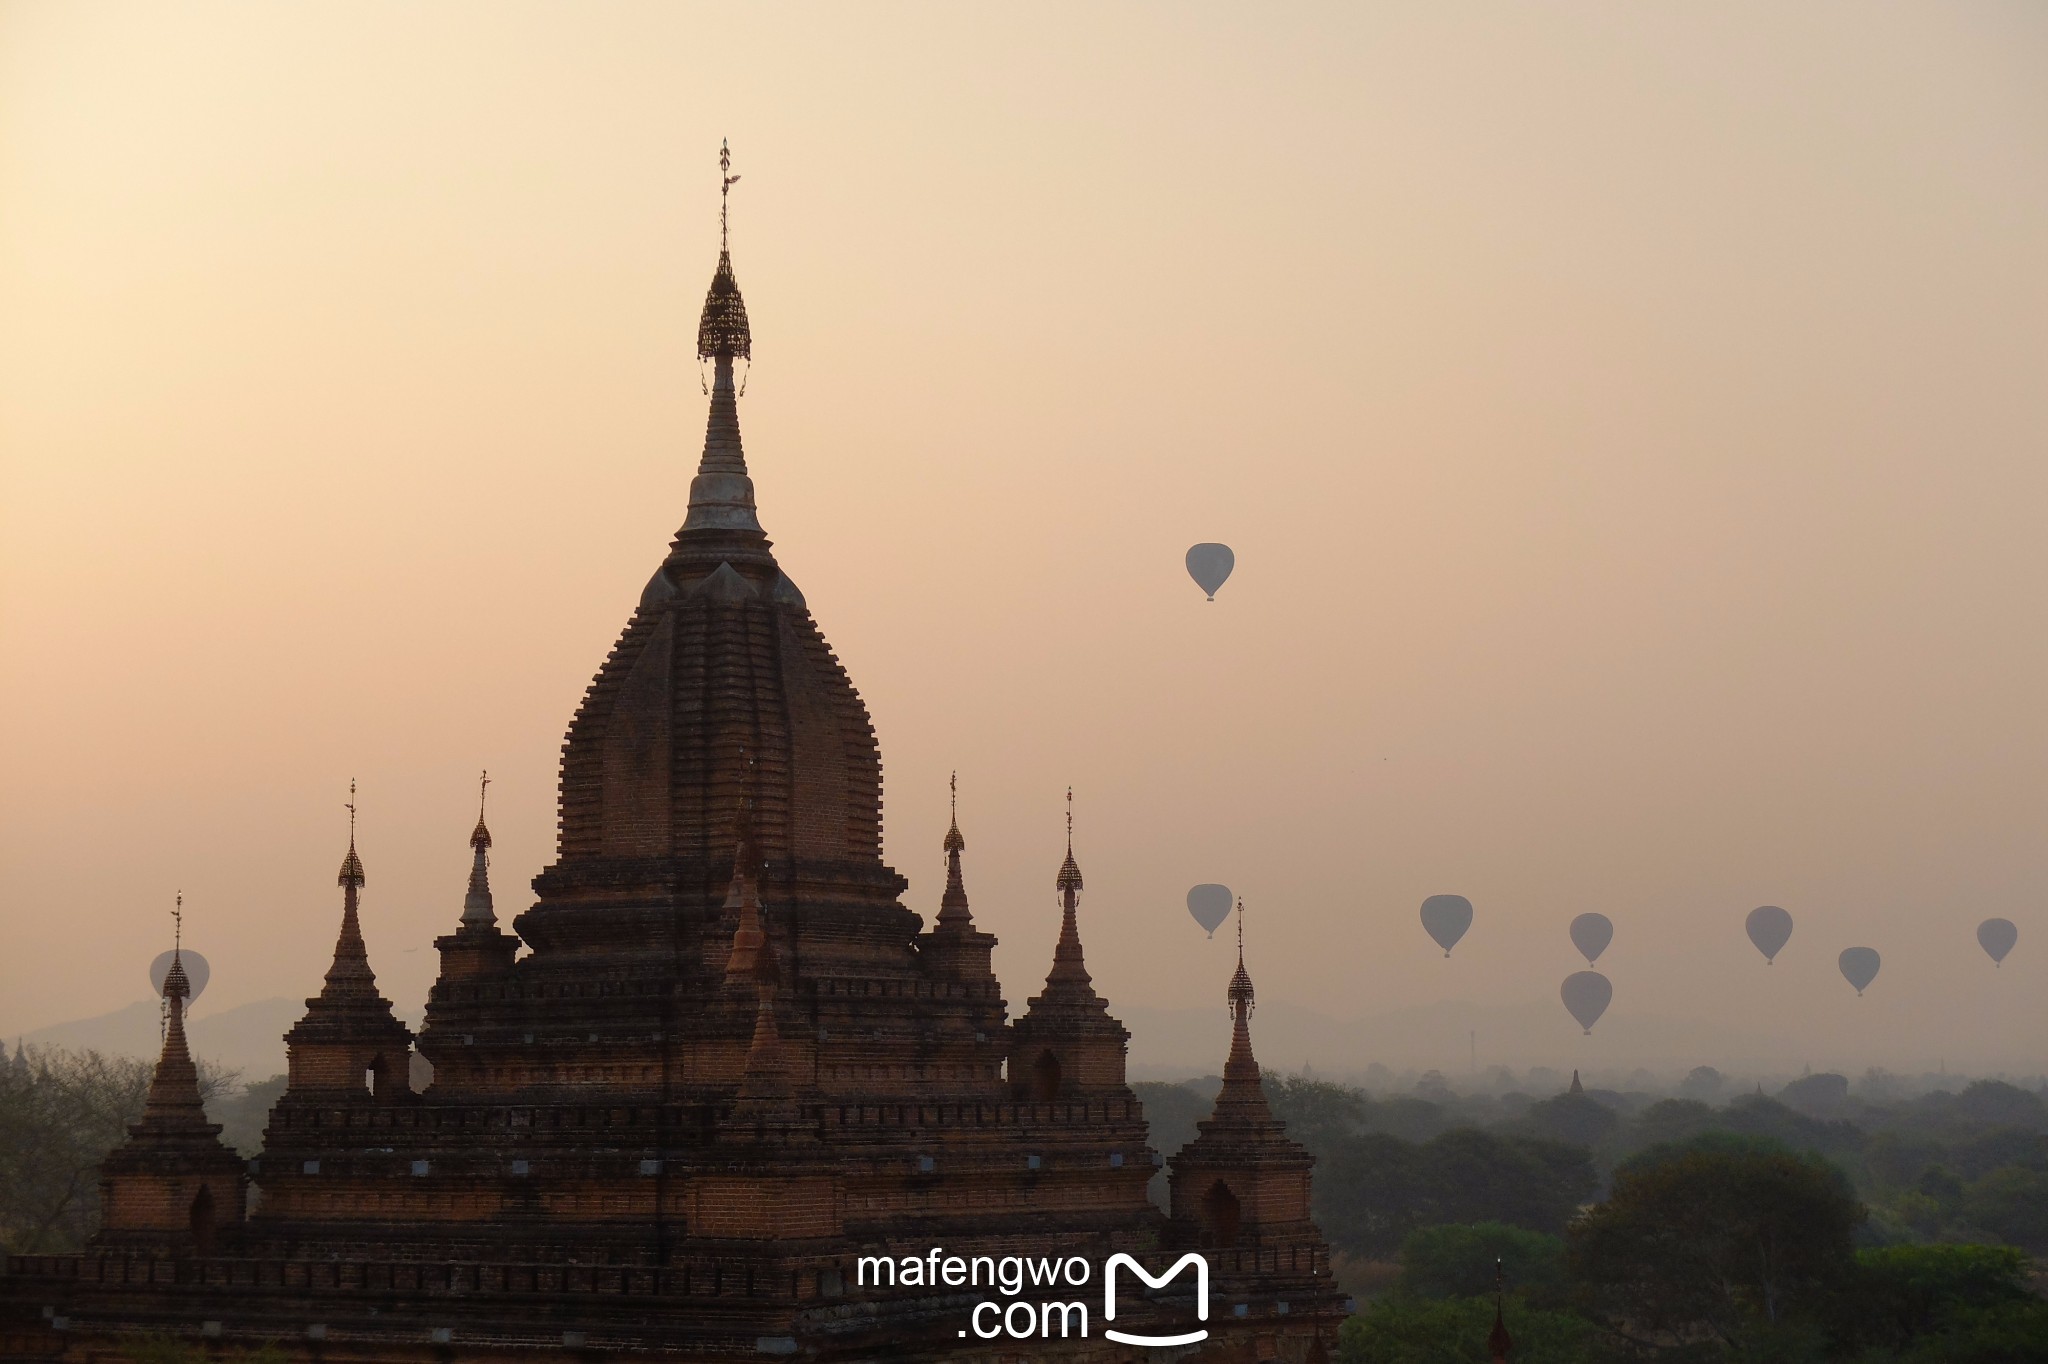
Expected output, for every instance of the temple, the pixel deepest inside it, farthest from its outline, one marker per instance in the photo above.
(710, 1082)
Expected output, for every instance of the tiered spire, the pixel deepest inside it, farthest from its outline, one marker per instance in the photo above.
(954, 916)
(350, 974)
(1069, 971)
(174, 1090)
(477, 911)
(1242, 1090)
(722, 495)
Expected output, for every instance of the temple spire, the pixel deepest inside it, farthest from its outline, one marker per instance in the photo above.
(350, 974)
(477, 910)
(174, 1089)
(1068, 969)
(953, 911)
(722, 495)
(1242, 1088)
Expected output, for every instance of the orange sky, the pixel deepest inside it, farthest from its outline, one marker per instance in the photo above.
(1629, 420)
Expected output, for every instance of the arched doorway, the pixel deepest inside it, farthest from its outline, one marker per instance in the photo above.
(1219, 1216)
(1045, 1077)
(201, 1219)
(377, 1077)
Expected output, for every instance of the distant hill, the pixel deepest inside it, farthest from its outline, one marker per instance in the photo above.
(248, 1037)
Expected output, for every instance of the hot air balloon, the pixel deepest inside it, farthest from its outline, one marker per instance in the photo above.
(1586, 995)
(1996, 937)
(1447, 917)
(196, 972)
(1209, 565)
(1210, 904)
(1859, 966)
(1590, 934)
(1770, 928)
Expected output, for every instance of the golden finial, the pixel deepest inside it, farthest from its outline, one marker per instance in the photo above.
(482, 788)
(726, 180)
(954, 842)
(351, 865)
(178, 924)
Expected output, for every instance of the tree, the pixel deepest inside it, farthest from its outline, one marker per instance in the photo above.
(1700, 1083)
(1571, 1118)
(1994, 1103)
(2011, 1204)
(1723, 1239)
(1366, 1191)
(1372, 1190)
(1400, 1329)
(1945, 1305)
(1317, 1112)
(1667, 1121)
(1459, 1261)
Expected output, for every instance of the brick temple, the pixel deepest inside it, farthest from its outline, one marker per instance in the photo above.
(727, 1068)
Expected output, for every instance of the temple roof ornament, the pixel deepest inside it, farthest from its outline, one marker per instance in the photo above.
(174, 1102)
(1069, 972)
(722, 494)
(350, 975)
(351, 876)
(1069, 881)
(477, 909)
(722, 332)
(954, 916)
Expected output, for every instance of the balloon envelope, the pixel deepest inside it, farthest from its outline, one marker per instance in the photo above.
(1447, 917)
(1590, 934)
(1770, 928)
(1586, 995)
(1859, 966)
(1209, 565)
(1210, 904)
(1997, 936)
(196, 972)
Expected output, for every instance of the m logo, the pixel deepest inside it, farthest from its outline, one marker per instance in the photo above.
(1201, 1297)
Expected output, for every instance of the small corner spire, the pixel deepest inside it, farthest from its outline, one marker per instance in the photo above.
(1069, 970)
(173, 1099)
(350, 974)
(1242, 1092)
(477, 908)
(954, 915)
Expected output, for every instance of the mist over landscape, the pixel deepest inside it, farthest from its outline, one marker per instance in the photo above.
(1371, 486)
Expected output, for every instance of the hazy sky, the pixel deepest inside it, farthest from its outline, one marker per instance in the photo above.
(1630, 421)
